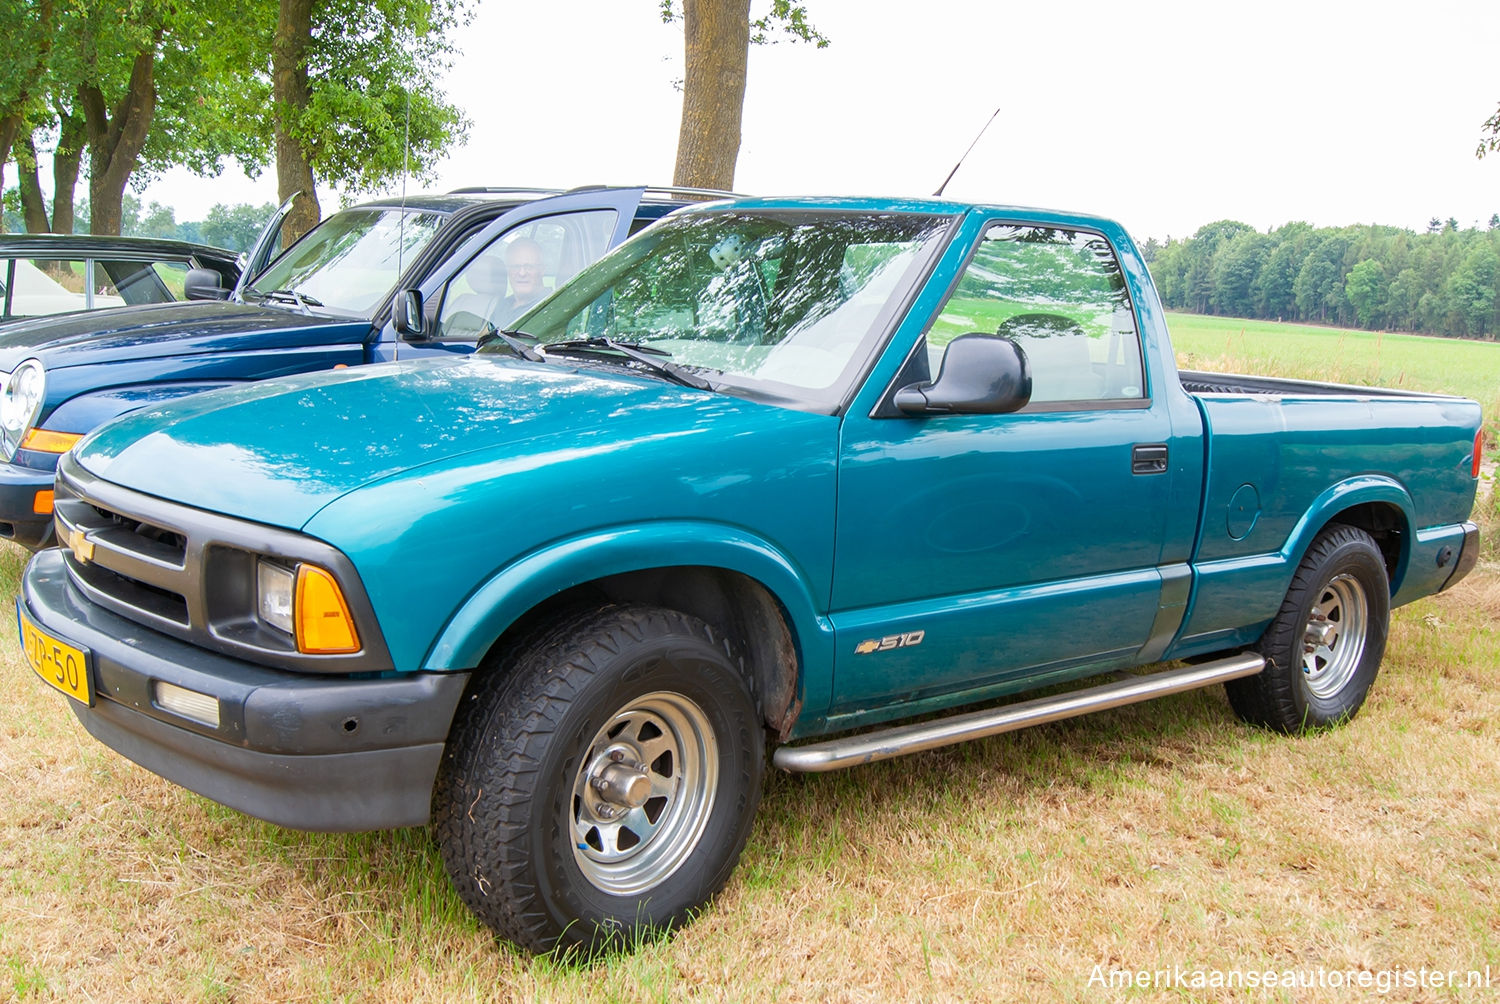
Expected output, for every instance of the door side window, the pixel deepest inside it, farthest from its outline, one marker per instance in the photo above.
(132, 282)
(47, 286)
(1060, 296)
(519, 269)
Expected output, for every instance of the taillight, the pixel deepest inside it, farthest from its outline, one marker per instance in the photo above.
(1478, 451)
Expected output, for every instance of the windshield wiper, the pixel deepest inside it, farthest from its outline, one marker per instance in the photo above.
(517, 346)
(652, 358)
(300, 299)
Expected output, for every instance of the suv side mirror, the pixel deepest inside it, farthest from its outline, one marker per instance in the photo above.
(407, 317)
(981, 375)
(204, 284)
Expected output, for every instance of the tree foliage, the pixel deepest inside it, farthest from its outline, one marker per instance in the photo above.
(1445, 281)
(143, 85)
(717, 35)
(356, 95)
(1489, 143)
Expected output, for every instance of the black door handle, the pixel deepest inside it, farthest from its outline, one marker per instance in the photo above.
(1149, 458)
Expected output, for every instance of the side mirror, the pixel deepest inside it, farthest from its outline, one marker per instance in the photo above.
(204, 284)
(981, 375)
(408, 319)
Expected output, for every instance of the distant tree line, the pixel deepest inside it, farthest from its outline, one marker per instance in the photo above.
(234, 227)
(1445, 281)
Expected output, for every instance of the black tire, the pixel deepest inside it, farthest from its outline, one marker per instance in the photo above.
(651, 704)
(1324, 647)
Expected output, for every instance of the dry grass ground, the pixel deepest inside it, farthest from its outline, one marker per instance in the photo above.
(1160, 836)
(1146, 838)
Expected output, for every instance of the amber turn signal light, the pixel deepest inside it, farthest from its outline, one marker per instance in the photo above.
(324, 625)
(47, 441)
(42, 504)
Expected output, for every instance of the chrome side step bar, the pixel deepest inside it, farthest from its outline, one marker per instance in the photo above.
(903, 739)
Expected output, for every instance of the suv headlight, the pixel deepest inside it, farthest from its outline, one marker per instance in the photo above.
(21, 402)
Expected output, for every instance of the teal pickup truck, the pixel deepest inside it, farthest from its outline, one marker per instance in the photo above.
(773, 473)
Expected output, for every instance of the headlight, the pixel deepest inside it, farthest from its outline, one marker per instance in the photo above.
(308, 605)
(21, 402)
(275, 585)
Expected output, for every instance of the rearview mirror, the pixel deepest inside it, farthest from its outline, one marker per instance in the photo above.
(981, 375)
(408, 315)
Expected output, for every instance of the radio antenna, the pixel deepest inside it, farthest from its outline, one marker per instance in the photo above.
(401, 217)
(939, 192)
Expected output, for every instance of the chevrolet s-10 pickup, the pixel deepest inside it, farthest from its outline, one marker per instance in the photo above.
(772, 474)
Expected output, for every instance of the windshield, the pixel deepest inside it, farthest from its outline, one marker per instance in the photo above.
(786, 304)
(349, 262)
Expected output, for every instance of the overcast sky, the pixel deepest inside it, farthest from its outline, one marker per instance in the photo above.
(1163, 115)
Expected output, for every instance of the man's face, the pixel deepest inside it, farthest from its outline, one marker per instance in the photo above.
(525, 265)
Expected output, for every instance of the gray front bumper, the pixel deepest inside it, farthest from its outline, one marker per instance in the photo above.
(312, 752)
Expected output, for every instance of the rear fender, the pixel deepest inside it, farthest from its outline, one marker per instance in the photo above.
(1345, 495)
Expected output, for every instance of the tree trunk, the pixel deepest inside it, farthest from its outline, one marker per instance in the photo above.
(33, 205)
(10, 125)
(716, 42)
(11, 119)
(65, 161)
(115, 140)
(289, 91)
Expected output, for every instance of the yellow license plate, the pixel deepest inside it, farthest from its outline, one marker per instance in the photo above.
(59, 664)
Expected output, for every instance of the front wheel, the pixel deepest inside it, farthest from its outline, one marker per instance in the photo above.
(600, 783)
(1324, 647)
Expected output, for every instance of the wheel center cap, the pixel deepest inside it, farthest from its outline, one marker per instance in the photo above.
(1321, 634)
(622, 785)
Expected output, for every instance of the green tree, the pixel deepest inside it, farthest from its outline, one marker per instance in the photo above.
(1236, 266)
(26, 34)
(1471, 290)
(1365, 288)
(717, 35)
(1489, 143)
(347, 77)
(156, 86)
(158, 221)
(1274, 294)
(235, 227)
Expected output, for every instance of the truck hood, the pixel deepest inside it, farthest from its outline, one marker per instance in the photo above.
(157, 330)
(278, 451)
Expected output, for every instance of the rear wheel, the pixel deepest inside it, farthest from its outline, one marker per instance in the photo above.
(1323, 649)
(603, 788)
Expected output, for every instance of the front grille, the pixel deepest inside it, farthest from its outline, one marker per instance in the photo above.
(122, 562)
(192, 574)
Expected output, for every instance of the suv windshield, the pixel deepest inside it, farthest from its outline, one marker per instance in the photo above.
(789, 305)
(349, 262)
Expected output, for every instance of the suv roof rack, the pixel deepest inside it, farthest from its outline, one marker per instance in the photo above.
(506, 190)
(657, 190)
(697, 193)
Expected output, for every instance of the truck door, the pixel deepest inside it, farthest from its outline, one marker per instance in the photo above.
(509, 266)
(975, 550)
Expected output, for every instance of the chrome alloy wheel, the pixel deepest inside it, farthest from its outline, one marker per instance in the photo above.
(1333, 642)
(643, 796)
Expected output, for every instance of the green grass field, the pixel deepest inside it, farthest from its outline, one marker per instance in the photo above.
(1339, 355)
(1151, 837)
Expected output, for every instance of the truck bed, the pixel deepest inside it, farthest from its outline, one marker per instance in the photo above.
(1200, 382)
